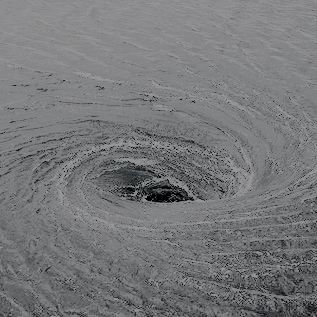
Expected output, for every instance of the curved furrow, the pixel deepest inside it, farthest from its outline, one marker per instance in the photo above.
(158, 159)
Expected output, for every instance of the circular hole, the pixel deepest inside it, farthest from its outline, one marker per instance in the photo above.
(164, 192)
(139, 183)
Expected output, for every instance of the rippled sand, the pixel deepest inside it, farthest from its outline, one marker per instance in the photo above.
(158, 158)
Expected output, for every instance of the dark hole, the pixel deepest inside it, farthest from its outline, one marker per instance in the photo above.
(164, 192)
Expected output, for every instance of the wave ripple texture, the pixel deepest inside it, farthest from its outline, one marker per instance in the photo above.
(158, 158)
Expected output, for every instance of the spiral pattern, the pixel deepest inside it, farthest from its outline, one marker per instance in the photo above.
(134, 197)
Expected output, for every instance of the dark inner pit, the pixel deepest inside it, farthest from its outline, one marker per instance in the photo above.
(164, 192)
(137, 183)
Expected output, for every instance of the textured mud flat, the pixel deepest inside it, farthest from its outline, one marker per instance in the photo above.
(158, 158)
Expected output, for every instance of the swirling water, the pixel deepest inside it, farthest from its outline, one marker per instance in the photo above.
(158, 158)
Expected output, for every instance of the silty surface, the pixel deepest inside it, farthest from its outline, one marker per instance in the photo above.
(103, 100)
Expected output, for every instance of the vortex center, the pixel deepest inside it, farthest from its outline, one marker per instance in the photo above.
(139, 183)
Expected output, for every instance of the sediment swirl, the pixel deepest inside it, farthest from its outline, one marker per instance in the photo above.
(187, 213)
(157, 191)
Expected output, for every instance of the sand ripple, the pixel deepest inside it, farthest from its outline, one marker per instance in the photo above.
(168, 193)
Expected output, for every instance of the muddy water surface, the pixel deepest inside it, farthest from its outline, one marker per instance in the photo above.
(158, 158)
